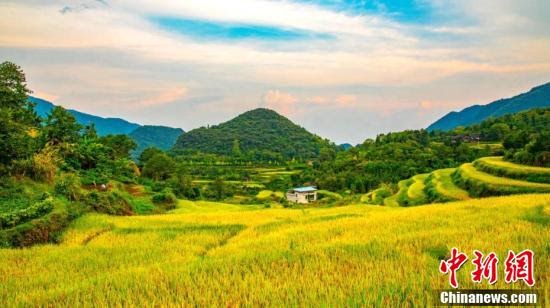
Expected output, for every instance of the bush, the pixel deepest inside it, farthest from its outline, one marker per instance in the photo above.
(111, 203)
(11, 219)
(68, 186)
(165, 198)
(41, 230)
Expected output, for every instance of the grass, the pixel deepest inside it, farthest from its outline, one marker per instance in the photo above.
(215, 254)
(482, 184)
(497, 166)
(444, 189)
(415, 193)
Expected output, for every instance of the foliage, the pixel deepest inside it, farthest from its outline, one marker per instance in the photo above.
(110, 202)
(259, 135)
(166, 198)
(161, 137)
(18, 121)
(11, 219)
(68, 186)
(159, 167)
(60, 127)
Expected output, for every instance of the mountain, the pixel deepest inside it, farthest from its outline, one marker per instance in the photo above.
(103, 126)
(538, 97)
(162, 137)
(260, 134)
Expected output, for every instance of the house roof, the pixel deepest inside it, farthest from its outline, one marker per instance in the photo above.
(305, 189)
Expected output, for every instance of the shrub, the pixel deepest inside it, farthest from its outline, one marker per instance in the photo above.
(11, 219)
(166, 198)
(68, 186)
(111, 203)
(41, 230)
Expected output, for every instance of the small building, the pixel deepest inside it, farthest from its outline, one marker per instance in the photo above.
(302, 194)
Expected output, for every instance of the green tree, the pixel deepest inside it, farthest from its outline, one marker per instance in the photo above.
(119, 146)
(159, 167)
(148, 153)
(18, 121)
(61, 127)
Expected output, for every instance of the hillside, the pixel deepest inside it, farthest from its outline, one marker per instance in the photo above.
(260, 134)
(103, 126)
(488, 176)
(537, 97)
(162, 137)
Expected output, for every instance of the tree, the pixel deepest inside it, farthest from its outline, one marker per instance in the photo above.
(18, 120)
(148, 153)
(61, 127)
(159, 167)
(119, 146)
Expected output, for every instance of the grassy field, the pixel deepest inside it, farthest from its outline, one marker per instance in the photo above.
(214, 254)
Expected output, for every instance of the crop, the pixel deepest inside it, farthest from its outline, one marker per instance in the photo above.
(215, 254)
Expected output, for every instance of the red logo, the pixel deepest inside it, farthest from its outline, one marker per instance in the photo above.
(517, 267)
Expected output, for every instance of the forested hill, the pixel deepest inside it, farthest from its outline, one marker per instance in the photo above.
(259, 134)
(103, 126)
(538, 97)
(162, 137)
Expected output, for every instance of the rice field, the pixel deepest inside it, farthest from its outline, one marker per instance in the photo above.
(489, 176)
(444, 185)
(402, 192)
(415, 193)
(215, 254)
(497, 166)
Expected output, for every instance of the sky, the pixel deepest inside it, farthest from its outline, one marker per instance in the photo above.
(345, 70)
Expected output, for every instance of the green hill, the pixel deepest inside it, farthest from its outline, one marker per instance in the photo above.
(259, 134)
(538, 97)
(162, 137)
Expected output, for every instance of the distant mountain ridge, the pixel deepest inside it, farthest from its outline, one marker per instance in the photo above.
(259, 133)
(537, 97)
(103, 126)
(162, 137)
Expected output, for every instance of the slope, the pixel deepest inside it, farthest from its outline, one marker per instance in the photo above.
(259, 134)
(537, 97)
(103, 126)
(162, 137)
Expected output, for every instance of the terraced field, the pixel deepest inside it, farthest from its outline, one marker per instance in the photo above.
(215, 254)
(489, 176)
(444, 187)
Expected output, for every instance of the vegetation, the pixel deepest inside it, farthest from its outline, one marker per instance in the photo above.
(441, 188)
(212, 254)
(161, 137)
(260, 135)
(538, 97)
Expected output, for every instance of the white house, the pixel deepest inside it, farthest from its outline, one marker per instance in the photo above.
(302, 194)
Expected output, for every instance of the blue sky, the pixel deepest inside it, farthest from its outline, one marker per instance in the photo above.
(346, 70)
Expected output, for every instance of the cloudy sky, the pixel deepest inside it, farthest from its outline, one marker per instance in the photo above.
(345, 70)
